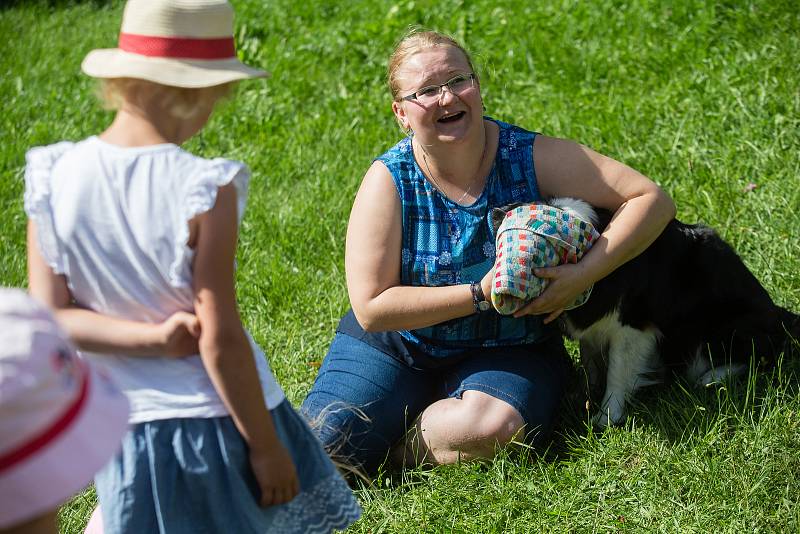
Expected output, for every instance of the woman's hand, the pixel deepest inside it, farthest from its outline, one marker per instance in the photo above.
(275, 474)
(179, 334)
(565, 283)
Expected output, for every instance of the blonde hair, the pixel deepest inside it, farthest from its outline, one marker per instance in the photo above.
(413, 42)
(183, 103)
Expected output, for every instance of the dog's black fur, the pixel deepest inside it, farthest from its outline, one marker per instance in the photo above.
(687, 303)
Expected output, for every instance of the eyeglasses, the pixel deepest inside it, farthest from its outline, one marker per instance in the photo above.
(432, 93)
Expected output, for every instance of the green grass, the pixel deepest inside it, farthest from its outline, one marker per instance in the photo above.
(702, 96)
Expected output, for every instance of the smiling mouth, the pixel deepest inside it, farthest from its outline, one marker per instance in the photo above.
(451, 118)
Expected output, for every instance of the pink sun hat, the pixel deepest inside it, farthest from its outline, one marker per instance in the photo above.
(181, 43)
(60, 420)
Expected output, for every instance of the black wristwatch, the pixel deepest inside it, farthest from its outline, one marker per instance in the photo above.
(478, 298)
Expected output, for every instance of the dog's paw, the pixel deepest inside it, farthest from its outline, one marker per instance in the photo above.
(612, 414)
(603, 420)
(720, 374)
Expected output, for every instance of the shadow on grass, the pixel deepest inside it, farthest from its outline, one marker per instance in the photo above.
(684, 410)
(676, 412)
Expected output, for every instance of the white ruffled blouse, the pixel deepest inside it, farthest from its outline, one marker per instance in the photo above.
(114, 221)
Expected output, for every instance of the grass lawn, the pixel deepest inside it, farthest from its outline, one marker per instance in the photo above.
(701, 96)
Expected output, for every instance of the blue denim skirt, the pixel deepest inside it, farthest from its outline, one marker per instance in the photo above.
(193, 476)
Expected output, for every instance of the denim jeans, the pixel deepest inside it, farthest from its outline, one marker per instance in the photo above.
(371, 388)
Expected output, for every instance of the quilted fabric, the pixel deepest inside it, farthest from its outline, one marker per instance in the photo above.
(530, 236)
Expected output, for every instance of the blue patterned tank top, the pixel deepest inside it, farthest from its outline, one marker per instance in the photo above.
(448, 244)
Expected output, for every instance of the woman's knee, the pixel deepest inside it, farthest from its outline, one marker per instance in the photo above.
(490, 419)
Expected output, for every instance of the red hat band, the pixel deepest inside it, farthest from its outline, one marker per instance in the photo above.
(63, 423)
(177, 47)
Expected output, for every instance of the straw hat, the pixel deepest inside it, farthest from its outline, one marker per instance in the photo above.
(182, 43)
(60, 421)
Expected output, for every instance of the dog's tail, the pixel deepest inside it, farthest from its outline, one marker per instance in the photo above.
(791, 325)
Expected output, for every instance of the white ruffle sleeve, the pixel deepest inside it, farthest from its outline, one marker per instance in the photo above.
(38, 176)
(200, 197)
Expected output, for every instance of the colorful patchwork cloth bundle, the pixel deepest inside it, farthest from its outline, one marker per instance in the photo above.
(531, 236)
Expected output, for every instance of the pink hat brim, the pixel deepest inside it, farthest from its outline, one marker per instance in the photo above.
(50, 476)
(189, 73)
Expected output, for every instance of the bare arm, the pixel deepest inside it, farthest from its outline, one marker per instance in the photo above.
(92, 331)
(641, 211)
(372, 264)
(227, 354)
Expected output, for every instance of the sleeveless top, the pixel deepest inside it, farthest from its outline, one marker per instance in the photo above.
(445, 243)
(114, 221)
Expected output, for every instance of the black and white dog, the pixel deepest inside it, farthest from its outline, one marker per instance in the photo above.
(686, 304)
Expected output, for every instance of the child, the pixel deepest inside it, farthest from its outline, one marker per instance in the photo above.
(60, 420)
(127, 228)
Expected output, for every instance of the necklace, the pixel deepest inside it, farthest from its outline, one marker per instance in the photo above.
(472, 182)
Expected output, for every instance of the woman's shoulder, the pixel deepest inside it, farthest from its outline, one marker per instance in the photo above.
(511, 133)
(398, 163)
(514, 179)
(401, 151)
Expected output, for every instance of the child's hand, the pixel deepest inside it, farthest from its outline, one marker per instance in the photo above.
(179, 334)
(275, 474)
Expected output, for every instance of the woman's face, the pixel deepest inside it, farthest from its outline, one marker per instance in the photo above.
(452, 116)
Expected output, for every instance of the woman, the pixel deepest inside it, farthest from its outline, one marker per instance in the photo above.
(420, 349)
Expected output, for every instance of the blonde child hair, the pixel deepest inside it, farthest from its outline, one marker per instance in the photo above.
(181, 102)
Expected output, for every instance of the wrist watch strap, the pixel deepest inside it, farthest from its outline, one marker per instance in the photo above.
(478, 298)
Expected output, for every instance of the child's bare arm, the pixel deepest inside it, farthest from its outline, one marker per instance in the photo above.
(227, 354)
(92, 331)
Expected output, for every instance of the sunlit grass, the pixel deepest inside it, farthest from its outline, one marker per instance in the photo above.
(701, 96)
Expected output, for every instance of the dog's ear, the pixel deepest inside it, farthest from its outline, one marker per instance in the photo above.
(498, 214)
